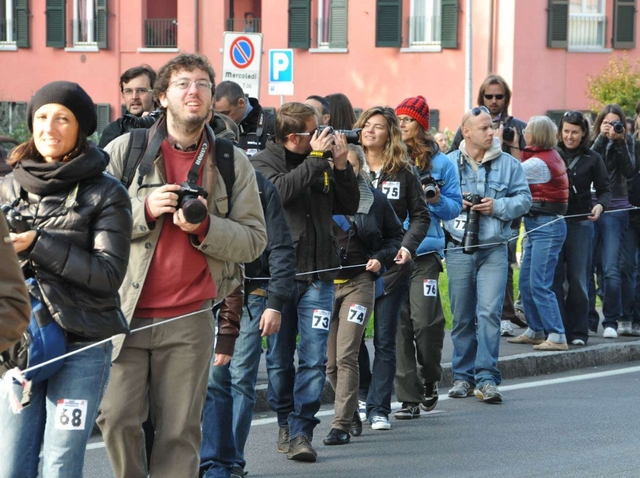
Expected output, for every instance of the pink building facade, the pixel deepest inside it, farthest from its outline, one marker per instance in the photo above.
(377, 52)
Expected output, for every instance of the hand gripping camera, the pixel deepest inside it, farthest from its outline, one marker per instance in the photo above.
(429, 184)
(618, 127)
(470, 240)
(16, 222)
(194, 211)
(352, 135)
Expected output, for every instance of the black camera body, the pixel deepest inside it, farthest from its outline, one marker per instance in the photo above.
(470, 239)
(508, 134)
(429, 184)
(352, 135)
(194, 211)
(132, 121)
(17, 223)
(618, 127)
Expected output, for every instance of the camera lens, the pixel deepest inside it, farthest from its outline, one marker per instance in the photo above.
(194, 211)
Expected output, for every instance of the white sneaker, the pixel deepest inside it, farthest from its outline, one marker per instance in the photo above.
(610, 333)
(624, 328)
(362, 409)
(379, 422)
(577, 342)
(506, 329)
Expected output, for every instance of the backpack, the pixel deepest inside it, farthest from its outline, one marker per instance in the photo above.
(138, 140)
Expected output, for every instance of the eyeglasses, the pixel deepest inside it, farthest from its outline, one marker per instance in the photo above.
(406, 119)
(475, 112)
(185, 84)
(308, 133)
(138, 91)
(497, 97)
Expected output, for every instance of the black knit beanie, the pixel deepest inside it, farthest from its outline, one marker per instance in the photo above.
(69, 94)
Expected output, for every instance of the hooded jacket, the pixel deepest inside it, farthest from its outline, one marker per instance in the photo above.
(499, 176)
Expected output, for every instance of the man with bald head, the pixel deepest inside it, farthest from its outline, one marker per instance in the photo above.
(495, 190)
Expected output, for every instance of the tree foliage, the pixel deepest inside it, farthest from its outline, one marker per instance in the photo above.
(618, 83)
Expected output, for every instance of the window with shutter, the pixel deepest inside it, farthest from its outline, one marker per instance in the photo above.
(85, 22)
(425, 23)
(389, 23)
(299, 23)
(102, 16)
(449, 24)
(56, 18)
(558, 24)
(22, 23)
(103, 110)
(587, 24)
(624, 24)
(332, 24)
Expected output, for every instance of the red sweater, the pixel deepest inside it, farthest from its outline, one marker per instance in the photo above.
(178, 280)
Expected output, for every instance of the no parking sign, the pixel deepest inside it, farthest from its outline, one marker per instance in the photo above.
(242, 59)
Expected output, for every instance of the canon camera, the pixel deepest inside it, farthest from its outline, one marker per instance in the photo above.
(352, 135)
(194, 211)
(429, 184)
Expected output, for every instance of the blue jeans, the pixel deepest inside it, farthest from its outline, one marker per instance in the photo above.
(574, 264)
(612, 227)
(546, 237)
(232, 386)
(295, 394)
(83, 376)
(630, 283)
(476, 290)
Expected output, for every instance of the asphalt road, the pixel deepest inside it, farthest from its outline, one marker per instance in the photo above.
(576, 424)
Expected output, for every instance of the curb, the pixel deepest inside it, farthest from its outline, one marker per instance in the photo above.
(519, 366)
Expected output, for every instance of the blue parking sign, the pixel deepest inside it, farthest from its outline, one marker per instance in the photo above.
(281, 66)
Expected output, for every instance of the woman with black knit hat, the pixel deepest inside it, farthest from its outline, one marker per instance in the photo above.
(75, 251)
(421, 329)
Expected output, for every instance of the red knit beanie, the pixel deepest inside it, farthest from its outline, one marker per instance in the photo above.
(417, 108)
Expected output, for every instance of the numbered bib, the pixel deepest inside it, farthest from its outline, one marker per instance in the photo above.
(460, 222)
(321, 319)
(357, 314)
(71, 414)
(391, 189)
(430, 287)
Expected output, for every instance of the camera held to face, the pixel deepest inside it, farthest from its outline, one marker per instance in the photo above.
(618, 127)
(194, 211)
(470, 240)
(17, 223)
(352, 135)
(508, 135)
(429, 184)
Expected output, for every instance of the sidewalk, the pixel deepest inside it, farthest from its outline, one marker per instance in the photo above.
(516, 361)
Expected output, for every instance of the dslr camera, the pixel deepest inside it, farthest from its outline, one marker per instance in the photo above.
(194, 211)
(429, 184)
(470, 240)
(508, 134)
(132, 121)
(17, 223)
(352, 135)
(618, 127)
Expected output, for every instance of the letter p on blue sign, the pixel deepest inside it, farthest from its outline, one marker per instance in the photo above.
(280, 66)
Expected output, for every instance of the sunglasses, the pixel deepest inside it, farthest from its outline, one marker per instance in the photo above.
(497, 97)
(574, 113)
(475, 112)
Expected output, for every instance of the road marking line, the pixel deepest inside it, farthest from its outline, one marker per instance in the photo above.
(506, 388)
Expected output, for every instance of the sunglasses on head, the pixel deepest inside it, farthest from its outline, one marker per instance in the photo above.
(475, 112)
(497, 97)
(579, 114)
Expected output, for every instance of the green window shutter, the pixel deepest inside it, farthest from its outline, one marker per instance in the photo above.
(624, 24)
(389, 23)
(103, 110)
(299, 23)
(102, 24)
(434, 120)
(449, 24)
(338, 24)
(556, 116)
(558, 24)
(56, 23)
(22, 23)
(358, 112)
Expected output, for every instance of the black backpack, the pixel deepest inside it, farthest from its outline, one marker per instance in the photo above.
(138, 144)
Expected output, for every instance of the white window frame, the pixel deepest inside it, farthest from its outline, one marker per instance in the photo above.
(426, 32)
(587, 31)
(9, 22)
(90, 18)
(323, 42)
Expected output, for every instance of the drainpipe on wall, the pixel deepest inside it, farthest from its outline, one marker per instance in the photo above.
(468, 53)
(491, 32)
(196, 29)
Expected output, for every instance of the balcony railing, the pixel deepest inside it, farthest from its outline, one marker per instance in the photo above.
(7, 31)
(241, 25)
(160, 33)
(424, 30)
(587, 31)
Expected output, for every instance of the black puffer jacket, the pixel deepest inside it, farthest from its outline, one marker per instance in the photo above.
(620, 159)
(80, 256)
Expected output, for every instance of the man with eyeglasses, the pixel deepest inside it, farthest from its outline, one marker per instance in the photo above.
(494, 186)
(315, 181)
(179, 265)
(136, 87)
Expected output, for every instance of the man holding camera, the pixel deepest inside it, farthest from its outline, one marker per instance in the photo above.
(181, 261)
(136, 87)
(315, 181)
(495, 191)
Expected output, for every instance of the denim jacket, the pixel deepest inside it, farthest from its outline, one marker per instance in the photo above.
(506, 184)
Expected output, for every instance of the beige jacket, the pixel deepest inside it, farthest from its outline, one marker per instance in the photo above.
(15, 306)
(240, 237)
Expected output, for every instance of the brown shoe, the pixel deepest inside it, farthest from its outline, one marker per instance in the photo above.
(548, 346)
(300, 449)
(283, 440)
(524, 339)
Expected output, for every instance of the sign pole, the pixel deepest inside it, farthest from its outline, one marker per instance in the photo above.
(281, 100)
